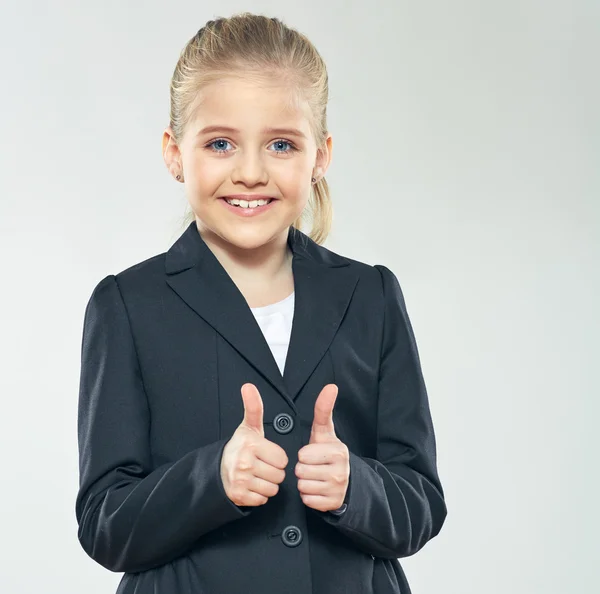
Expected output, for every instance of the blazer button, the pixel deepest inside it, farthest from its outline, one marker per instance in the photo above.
(291, 536)
(283, 423)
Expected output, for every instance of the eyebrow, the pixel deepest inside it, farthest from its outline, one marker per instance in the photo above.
(283, 131)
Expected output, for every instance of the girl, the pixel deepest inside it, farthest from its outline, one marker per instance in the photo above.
(252, 412)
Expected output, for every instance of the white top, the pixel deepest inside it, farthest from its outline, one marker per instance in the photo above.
(275, 321)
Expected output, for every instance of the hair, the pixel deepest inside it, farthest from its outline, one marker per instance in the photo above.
(260, 48)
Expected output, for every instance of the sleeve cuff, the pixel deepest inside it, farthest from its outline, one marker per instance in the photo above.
(339, 511)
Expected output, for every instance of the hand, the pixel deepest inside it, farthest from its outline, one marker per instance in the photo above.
(252, 467)
(323, 468)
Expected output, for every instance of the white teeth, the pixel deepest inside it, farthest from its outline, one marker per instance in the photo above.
(246, 204)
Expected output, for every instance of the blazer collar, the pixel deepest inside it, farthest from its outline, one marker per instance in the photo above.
(323, 283)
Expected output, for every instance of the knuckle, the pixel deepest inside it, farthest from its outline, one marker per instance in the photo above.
(243, 464)
(341, 455)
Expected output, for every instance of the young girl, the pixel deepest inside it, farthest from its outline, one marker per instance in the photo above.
(252, 413)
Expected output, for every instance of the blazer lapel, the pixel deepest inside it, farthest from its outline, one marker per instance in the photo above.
(324, 284)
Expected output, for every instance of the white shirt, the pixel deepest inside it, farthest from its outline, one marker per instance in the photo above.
(275, 321)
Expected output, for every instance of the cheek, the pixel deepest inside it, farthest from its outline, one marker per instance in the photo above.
(294, 181)
(208, 171)
(204, 178)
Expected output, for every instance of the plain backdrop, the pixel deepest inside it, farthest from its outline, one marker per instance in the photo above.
(465, 158)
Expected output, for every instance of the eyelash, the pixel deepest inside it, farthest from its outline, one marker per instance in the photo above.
(221, 151)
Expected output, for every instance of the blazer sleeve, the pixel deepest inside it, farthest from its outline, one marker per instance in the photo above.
(133, 517)
(395, 503)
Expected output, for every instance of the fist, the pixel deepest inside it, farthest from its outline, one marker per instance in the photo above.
(252, 467)
(323, 468)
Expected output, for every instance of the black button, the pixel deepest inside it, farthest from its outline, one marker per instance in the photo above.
(283, 423)
(291, 536)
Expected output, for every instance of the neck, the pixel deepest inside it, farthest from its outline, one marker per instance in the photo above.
(252, 267)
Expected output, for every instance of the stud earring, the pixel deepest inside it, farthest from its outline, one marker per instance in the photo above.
(313, 180)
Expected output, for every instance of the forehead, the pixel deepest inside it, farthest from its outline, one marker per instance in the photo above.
(248, 105)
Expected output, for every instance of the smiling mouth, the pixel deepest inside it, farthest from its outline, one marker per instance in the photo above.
(247, 202)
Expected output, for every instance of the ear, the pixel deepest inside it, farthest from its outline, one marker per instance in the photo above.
(323, 157)
(171, 153)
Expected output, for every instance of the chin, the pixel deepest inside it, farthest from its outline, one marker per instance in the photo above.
(247, 235)
(250, 239)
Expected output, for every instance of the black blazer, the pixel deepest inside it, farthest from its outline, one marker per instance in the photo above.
(167, 345)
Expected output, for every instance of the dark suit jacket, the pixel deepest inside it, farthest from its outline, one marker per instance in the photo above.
(167, 345)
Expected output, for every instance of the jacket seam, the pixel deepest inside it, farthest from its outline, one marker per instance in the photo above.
(137, 359)
(220, 434)
(380, 354)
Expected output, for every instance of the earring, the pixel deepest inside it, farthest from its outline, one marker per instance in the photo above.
(178, 177)
(313, 180)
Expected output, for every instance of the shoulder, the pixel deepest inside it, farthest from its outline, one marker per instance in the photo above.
(378, 276)
(141, 278)
(147, 271)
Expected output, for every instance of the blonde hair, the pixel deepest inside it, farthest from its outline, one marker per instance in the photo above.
(258, 47)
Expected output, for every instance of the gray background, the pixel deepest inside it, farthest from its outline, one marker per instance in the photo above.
(466, 159)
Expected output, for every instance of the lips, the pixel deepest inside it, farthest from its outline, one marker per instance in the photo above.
(269, 201)
(248, 197)
(226, 198)
(251, 211)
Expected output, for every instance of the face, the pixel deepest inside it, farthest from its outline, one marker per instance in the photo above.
(228, 149)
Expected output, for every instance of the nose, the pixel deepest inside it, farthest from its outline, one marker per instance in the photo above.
(249, 169)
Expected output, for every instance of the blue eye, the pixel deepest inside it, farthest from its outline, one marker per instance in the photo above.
(212, 146)
(284, 142)
(216, 149)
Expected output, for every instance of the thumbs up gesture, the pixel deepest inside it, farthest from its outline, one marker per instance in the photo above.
(323, 468)
(252, 467)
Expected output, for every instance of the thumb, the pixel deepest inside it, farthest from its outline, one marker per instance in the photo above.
(322, 427)
(253, 409)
